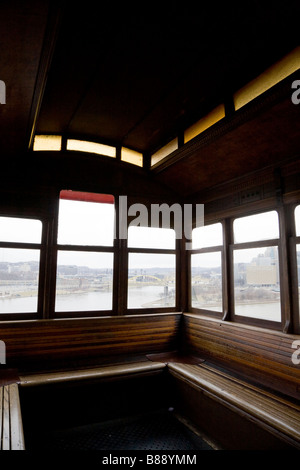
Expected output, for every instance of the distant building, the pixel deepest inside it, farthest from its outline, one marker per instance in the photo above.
(263, 275)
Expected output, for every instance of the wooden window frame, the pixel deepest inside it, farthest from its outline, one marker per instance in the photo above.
(175, 251)
(294, 240)
(87, 249)
(42, 249)
(284, 276)
(210, 249)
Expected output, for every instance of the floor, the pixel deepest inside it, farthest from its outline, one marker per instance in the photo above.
(156, 431)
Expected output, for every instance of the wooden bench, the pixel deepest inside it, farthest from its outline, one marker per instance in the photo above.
(276, 415)
(11, 427)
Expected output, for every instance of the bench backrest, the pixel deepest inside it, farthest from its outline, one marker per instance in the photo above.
(260, 355)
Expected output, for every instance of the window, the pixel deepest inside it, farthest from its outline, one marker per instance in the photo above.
(207, 121)
(20, 247)
(47, 142)
(85, 257)
(91, 147)
(256, 267)
(280, 70)
(164, 151)
(151, 268)
(206, 268)
(131, 156)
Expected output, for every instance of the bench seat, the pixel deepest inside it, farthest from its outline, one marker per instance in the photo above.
(113, 371)
(276, 414)
(273, 413)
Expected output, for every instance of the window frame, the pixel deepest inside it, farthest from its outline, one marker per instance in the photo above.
(155, 251)
(258, 244)
(286, 243)
(294, 240)
(41, 247)
(87, 249)
(205, 250)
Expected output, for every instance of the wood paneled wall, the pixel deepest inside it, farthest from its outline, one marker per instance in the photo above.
(46, 344)
(262, 356)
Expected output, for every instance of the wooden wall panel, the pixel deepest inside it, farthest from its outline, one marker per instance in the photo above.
(46, 344)
(262, 356)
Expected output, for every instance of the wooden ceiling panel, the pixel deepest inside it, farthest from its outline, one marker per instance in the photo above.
(266, 140)
(137, 77)
(22, 32)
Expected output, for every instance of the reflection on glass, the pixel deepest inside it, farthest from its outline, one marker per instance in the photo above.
(208, 235)
(256, 283)
(207, 281)
(256, 227)
(85, 223)
(19, 280)
(84, 281)
(151, 280)
(151, 237)
(13, 229)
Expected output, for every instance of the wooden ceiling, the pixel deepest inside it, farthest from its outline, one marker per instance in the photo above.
(137, 77)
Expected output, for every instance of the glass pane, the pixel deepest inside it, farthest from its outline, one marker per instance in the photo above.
(151, 237)
(20, 230)
(208, 235)
(207, 121)
(47, 142)
(207, 281)
(19, 280)
(131, 156)
(91, 147)
(164, 151)
(274, 74)
(84, 281)
(297, 220)
(256, 283)
(257, 227)
(85, 223)
(151, 280)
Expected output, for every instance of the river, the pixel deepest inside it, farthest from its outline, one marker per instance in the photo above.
(138, 298)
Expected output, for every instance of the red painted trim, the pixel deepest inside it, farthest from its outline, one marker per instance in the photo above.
(88, 197)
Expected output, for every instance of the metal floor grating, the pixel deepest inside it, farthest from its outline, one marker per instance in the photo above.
(155, 431)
